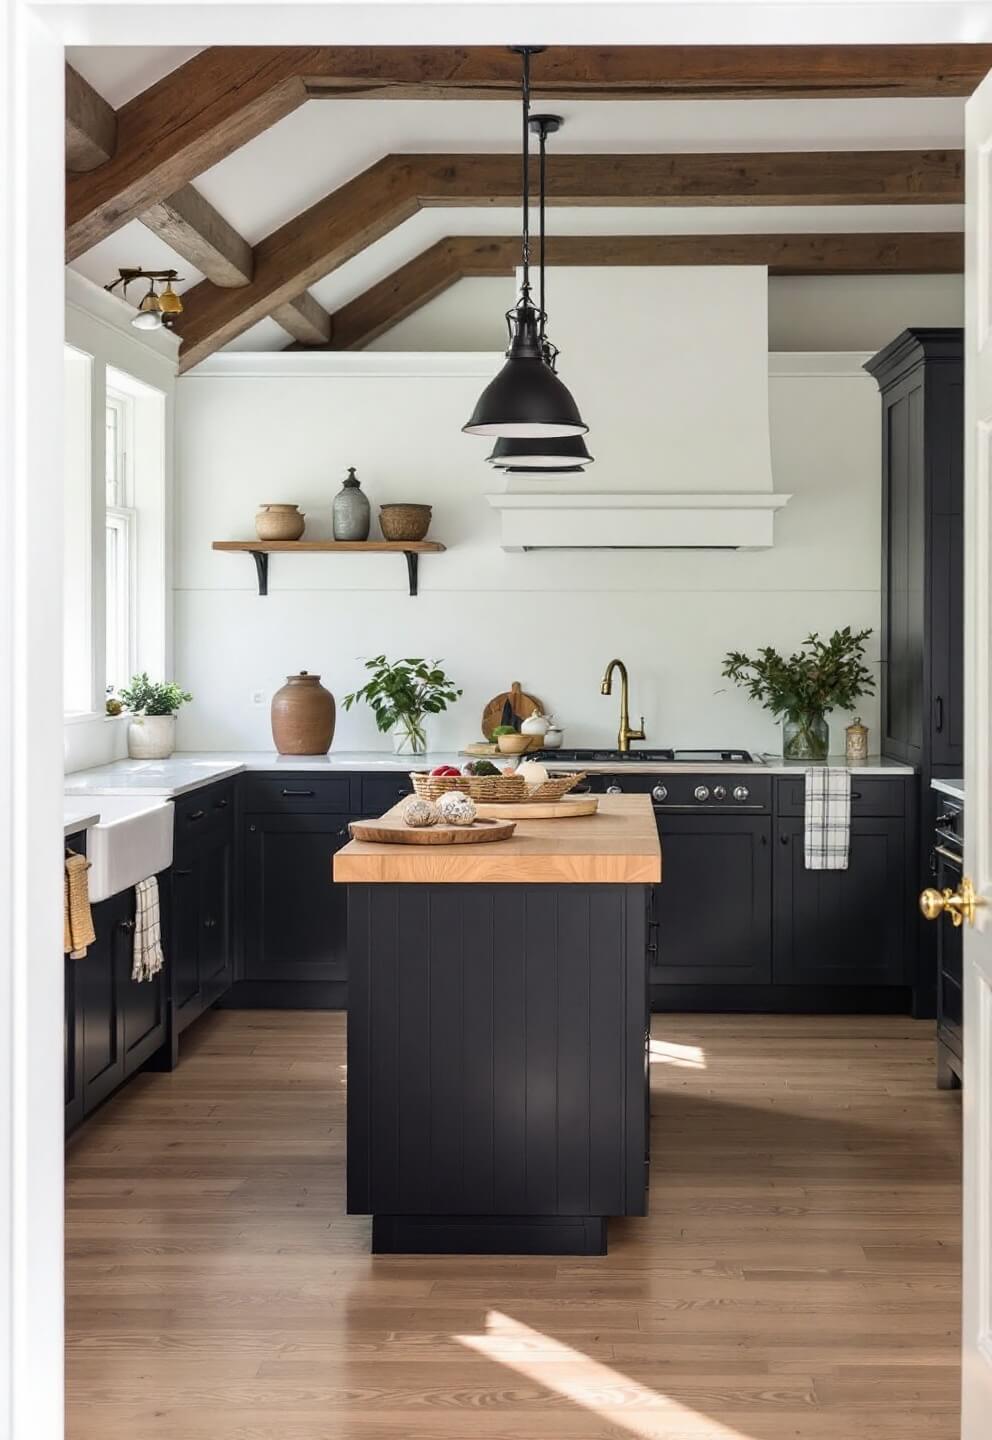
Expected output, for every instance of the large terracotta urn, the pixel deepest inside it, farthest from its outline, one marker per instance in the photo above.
(303, 716)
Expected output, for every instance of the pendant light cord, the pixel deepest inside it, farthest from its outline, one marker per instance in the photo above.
(543, 173)
(525, 186)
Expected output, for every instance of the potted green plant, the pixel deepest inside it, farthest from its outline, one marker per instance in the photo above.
(152, 705)
(400, 694)
(801, 688)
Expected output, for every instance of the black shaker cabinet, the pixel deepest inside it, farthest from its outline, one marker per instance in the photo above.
(201, 948)
(699, 942)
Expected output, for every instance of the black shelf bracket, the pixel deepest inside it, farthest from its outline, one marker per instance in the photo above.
(412, 559)
(261, 559)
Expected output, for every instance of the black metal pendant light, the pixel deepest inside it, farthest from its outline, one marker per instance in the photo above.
(526, 400)
(564, 454)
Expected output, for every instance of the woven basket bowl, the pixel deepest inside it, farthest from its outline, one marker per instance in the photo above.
(493, 789)
(404, 522)
(553, 789)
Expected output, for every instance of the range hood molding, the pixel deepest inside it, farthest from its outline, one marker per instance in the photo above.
(636, 520)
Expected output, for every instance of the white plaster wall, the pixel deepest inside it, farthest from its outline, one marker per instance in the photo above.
(816, 312)
(552, 619)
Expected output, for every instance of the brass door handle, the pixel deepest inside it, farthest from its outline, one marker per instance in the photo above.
(959, 904)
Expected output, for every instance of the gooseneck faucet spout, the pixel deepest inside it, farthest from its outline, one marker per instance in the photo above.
(625, 733)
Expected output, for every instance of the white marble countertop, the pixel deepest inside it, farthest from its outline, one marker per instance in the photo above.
(79, 815)
(188, 770)
(954, 788)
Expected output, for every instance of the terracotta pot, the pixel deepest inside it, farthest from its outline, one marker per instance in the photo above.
(303, 716)
(279, 522)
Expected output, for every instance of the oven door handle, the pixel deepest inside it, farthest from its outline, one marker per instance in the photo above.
(949, 854)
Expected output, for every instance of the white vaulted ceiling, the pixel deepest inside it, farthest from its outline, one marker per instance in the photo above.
(324, 143)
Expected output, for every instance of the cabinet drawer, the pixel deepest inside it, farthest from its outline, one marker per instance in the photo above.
(208, 811)
(302, 792)
(869, 797)
(381, 792)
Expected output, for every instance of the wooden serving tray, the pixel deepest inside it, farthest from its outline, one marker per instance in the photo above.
(390, 830)
(564, 809)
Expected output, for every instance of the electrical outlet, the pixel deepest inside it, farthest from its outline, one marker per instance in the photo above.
(258, 697)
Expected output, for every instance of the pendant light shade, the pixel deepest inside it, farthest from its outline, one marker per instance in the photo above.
(564, 455)
(526, 400)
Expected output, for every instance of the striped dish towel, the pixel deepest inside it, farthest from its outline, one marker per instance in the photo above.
(148, 959)
(828, 818)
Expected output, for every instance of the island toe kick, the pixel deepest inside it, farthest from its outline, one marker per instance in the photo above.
(498, 1050)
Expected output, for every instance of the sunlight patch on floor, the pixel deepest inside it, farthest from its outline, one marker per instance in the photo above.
(687, 1057)
(590, 1384)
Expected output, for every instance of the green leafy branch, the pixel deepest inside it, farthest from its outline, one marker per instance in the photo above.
(402, 692)
(822, 675)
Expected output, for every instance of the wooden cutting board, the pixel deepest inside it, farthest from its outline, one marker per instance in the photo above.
(390, 830)
(521, 705)
(564, 809)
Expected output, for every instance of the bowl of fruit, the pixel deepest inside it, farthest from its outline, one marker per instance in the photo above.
(480, 779)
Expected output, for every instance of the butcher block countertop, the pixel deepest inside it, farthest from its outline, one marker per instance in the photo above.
(617, 846)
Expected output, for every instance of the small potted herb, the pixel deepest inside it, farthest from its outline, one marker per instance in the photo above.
(401, 694)
(152, 704)
(821, 676)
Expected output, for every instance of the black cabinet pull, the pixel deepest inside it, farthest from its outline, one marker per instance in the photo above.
(127, 925)
(177, 871)
(783, 839)
(856, 795)
(220, 804)
(403, 790)
(764, 839)
(252, 829)
(938, 713)
(196, 815)
(301, 794)
(209, 924)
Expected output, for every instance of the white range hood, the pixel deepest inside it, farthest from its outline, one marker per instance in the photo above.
(670, 370)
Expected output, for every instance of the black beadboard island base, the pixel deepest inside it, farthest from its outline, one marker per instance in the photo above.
(498, 1062)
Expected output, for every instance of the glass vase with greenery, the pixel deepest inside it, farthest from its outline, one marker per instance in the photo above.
(401, 694)
(802, 688)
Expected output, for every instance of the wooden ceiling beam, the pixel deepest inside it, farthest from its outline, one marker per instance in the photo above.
(336, 228)
(223, 97)
(427, 275)
(90, 124)
(201, 235)
(306, 320)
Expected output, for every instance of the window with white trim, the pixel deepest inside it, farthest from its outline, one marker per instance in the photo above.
(121, 541)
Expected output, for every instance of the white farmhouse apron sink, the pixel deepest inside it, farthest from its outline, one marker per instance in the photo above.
(132, 841)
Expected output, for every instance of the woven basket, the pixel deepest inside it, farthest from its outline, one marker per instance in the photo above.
(493, 789)
(553, 789)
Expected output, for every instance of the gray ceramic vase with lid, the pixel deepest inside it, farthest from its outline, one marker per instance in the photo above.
(351, 511)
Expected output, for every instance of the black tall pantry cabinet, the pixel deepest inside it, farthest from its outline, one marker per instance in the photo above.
(921, 378)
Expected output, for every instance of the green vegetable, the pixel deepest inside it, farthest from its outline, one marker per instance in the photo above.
(152, 697)
(502, 730)
(484, 767)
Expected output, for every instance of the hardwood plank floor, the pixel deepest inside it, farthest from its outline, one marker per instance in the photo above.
(797, 1278)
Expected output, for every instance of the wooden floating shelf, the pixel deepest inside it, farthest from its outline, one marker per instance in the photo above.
(260, 550)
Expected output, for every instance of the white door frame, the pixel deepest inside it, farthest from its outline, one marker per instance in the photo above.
(32, 35)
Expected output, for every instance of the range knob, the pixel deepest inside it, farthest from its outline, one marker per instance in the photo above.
(719, 792)
(660, 793)
(741, 792)
(614, 789)
(702, 792)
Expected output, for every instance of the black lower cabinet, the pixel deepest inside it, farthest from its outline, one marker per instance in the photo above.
(114, 1024)
(294, 917)
(842, 927)
(713, 910)
(201, 958)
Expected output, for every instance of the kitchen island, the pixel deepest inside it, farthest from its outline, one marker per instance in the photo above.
(497, 1035)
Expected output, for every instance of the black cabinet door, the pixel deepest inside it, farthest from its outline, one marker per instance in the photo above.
(713, 907)
(98, 996)
(295, 916)
(215, 862)
(141, 1002)
(184, 960)
(903, 600)
(841, 927)
(947, 642)
(73, 1082)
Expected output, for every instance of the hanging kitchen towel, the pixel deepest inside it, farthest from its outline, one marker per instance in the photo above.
(148, 959)
(77, 919)
(828, 818)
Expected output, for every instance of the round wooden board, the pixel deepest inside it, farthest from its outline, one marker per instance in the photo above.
(522, 705)
(390, 830)
(564, 809)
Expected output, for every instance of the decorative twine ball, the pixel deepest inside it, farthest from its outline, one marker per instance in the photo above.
(455, 808)
(420, 813)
